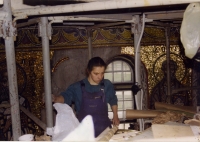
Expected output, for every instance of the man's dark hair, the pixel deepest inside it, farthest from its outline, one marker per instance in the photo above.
(95, 62)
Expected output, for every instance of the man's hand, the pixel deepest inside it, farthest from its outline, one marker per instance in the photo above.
(54, 98)
(115, 120)
(115, 115)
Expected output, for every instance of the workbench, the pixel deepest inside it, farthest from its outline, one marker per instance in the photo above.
(168, 132)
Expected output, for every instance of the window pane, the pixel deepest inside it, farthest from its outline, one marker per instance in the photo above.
(119, 95)
(128, 95)
(109, 67)
(117, 77)
(124, 126)
(119, 92)
(126, 67)
(109, 108)
(110, 115)
(120, 114)
(121, 126)
(128, 105)
(108, 76)
(120, 105)
(117, 65)
(127, 76)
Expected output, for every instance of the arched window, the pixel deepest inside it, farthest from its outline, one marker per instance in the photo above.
(120, 73)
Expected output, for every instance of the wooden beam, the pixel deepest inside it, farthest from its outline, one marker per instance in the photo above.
(33, 117)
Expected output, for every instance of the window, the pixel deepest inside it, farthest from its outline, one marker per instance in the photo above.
(119, 72)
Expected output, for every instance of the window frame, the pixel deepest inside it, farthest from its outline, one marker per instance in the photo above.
(122, 71)
(123, 86)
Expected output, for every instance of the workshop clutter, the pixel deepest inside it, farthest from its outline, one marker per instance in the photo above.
(190, 33)
(26, 137)
(68, 128)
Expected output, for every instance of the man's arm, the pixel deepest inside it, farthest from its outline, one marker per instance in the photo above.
(55, 98)
(58, 99)
(115, 115)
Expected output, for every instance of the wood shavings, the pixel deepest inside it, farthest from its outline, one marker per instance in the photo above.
(168, 116)
(124, 136)
(194, 122)
(109, 134)
(42, 138)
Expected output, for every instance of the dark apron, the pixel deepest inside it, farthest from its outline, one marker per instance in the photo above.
(94, 104)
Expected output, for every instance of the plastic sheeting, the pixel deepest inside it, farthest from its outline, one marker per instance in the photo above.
(66, 121)
(190, 30)
(68, 128)
(83, 133)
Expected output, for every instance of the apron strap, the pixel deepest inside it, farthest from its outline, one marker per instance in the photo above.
(82, 85)
(102, 89)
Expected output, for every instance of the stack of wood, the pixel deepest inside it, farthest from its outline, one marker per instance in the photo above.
(106, 137)
(168, 116)
(163, 113)
(43, 138)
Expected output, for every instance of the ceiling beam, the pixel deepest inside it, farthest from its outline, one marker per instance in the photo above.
(59, 19)
(119, 16)
(93, 6)
(106, 25)
(30, 22)
(159, 16)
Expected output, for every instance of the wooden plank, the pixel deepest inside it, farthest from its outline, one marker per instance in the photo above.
(135, 114)
(171, 130)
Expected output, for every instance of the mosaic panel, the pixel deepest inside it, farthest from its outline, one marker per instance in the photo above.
(30, 80)
(153, 57)
(63, 38)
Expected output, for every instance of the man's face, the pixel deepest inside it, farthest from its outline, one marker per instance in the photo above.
(97, 74)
